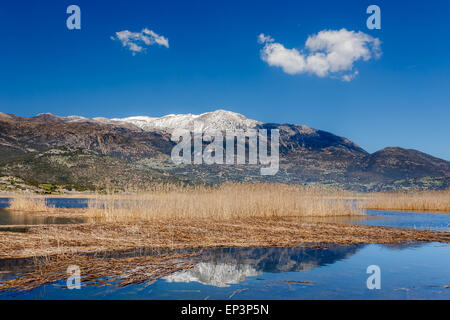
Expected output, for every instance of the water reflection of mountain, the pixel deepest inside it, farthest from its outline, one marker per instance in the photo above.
(215, 274)
(221, 267)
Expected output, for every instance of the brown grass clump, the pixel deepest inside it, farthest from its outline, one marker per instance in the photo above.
(437, 201)
(22, 202)
(224, 202)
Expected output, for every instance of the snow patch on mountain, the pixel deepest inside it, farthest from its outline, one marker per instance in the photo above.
(218, 120)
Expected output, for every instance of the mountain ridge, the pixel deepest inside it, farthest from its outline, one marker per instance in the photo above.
(307, 155)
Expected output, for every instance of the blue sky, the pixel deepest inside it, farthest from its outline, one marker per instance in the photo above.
(214, 62)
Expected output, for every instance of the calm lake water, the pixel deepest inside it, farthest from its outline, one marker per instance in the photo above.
(416, 271)
(412, 271)
(410, 220)
(69, 203)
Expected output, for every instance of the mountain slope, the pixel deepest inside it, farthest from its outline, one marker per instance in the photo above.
(23, 135)
(398, 163)
(81, 169)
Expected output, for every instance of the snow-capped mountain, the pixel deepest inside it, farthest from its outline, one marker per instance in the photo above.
(218, 120)
(307, 155)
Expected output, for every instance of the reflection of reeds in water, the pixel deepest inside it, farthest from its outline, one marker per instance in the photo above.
(438, 201)
(101, 271)
(22, 202)
(228, 201)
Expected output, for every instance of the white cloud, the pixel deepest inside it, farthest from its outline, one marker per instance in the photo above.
(328, 53)
(154, 38)
(137, 41)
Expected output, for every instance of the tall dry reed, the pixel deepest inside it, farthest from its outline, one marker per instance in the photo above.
(224, 202)
(24, 202)
(438, 201)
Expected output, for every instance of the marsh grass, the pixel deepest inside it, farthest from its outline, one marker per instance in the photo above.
(431, 201)
(24, 202)
(224, 202)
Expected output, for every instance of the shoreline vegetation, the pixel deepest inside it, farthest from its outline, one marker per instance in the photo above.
(423, 201)
(224, 202)
(169, 220)
(405, 200)
(29, 203)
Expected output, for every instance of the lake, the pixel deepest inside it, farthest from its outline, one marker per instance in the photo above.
(407, 271)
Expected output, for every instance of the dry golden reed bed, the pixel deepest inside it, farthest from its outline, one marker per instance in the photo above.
(28, 202)
(224, 202)
(437, 201)
(235, 200)
(49, 240)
